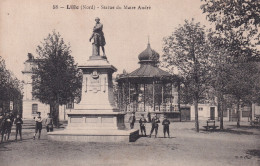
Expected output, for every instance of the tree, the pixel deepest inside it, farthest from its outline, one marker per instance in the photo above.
(10, 89)
(239, 19)
(241, 83)
(56, 80)
(235, 41)
(187, 49)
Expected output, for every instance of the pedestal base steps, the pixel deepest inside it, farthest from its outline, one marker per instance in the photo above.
(95, 135)
(95, 126)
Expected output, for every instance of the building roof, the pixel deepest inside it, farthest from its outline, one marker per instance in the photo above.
(148, 70)
(149, 55)
(148, 60)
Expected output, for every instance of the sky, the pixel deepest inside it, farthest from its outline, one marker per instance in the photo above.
(25, 23)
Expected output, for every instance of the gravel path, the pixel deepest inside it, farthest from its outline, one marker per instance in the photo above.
(185, 147)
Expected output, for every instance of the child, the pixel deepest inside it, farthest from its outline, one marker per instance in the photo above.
(132, 120)
(49, 123)
(142, 122)
(155, 125)
(38, 125)
(166, 124)
(18, 121)
(7, 126)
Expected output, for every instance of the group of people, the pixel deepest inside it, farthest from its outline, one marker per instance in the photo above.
(6, 122)
(155, 124)
(38, 124)
(8, 119)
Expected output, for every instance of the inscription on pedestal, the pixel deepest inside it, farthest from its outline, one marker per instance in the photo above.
(95, 84)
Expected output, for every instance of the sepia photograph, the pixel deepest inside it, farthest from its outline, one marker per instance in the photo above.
(129, 82)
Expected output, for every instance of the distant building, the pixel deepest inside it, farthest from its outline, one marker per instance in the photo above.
(31, 105)
(205, 112)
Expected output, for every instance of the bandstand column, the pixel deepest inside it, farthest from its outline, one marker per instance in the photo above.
(162, 94)
(123, 103)
(129, 94)
(153, 96)
(136, 97)
(118, 97)
(144, 97)
(171, 97)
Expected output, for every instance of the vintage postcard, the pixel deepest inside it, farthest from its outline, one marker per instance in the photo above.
(129, 82)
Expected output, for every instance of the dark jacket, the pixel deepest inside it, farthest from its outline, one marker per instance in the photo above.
(166, 122)
(18, 121)
(142, 121)
(132, 119)
(155, 122)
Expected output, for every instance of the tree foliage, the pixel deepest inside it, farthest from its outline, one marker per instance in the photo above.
(238, 20)
(187, 49)
(235, 47)
(10, 89)
(56, 80)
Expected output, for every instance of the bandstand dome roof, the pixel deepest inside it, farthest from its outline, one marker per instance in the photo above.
(148, 55)
(148, 60)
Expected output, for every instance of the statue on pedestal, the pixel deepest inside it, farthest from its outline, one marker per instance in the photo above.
(99, 39)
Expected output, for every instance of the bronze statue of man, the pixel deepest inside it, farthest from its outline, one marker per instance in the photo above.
(99, 39)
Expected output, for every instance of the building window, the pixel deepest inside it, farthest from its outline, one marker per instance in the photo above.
(34, 108)
(200, 109)
(70, 105)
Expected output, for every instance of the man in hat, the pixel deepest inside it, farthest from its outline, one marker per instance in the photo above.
(132, 120)
(155, 125)
(142, 122)
(166, 124)
(38, 125)
(98, 36)
(49, 123)
(18, 122)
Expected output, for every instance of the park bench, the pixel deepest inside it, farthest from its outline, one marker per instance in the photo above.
(210, 125)
(255, 122)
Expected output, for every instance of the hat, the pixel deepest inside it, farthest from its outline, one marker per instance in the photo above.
(142, 114)
(97, 18)
(38, 112)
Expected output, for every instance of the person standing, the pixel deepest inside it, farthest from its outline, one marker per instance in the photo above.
(38, 125)
(18, 122)
(142, 122)
(3, 127)
(155, 125)
(49, 123)
(1, 124)
(166, 124)
(7, 126)
(132, 120)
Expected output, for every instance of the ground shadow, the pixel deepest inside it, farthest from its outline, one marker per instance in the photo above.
(254, 152)
(3, 147)
(244, 127)
(238, 132)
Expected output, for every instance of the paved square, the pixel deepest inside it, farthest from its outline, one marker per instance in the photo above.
(185, 147)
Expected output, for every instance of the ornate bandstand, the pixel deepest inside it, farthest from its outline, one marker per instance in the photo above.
(148, 89)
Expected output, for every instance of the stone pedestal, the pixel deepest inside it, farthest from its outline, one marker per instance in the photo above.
(95, 118)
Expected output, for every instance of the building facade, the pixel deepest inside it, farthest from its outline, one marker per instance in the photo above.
(31, 105)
